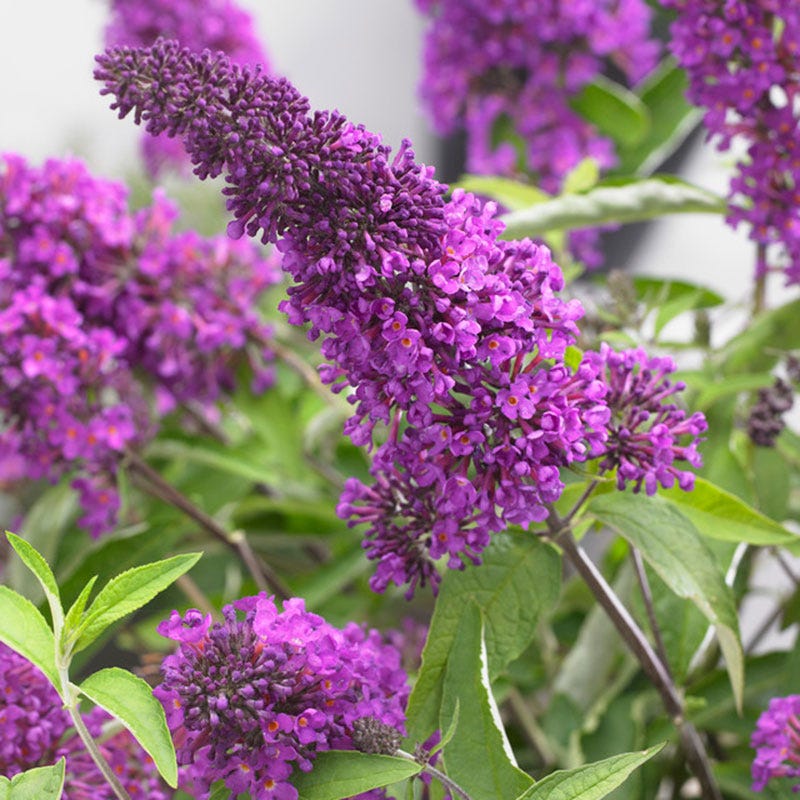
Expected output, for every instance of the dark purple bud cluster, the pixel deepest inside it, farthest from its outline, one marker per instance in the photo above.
(196, 24)
(253, 698)
(765, 422)
(36, 731)
(94, 299)
(743, 62)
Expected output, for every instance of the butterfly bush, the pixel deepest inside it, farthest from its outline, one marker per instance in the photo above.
(451, 342)
(36, 731)
(196, 24)
(97, 305)
(742, 61)
(252, 699)
(517, 65)
(776, 741)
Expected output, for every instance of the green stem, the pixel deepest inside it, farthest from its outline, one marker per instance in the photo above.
(449, 783)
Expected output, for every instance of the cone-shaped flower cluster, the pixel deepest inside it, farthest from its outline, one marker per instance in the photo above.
(35, 731)
(196, 24)
(776, 741)
(743, 62)
(253, 698)
(93, 298)
(451, 337)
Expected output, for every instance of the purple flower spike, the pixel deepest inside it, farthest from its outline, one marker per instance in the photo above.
(647, 435)
(254, 698)
(776, 741)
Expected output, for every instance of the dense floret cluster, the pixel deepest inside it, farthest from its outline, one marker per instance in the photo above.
(197, 24)
(35, 731)
(506, 73)
(451, 339)
(776, 741)
(253, 698)
(95, 299)
(743, 62)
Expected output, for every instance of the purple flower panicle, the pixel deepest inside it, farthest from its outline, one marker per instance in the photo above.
(776, 741)
(451, 341)
(98, 303)
(647, 433)
(743, 63)
(197, 24)
(35, 731)
(254, 698)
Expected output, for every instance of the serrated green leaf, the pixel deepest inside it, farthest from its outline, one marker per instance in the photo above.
(672, 119)
(130, 699)
(515, 586)
(338, 774)
(634, 201)
(718, 514)
(23, 628)
(128, 592)
(514, 195)
(672, 545)
(39, 783)
(614, 110)
(590, 782)
(35, 562)
(479, 756)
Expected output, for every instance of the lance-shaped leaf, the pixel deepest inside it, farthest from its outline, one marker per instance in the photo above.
(338, 774)
(721, 515)
(591, 781)
(614, 110)
(517, 584)
(514, 195)
(24, 629)
(478, 757)
(130, 699)
(127, 593)
(672, 546)
(35, 562)
(631, 201)
(39, 783)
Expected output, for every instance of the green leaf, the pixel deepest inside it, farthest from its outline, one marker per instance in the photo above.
(614, 110)
(35, 562)
(673, 547)
(338, 774)
(127, 593)
(75, 613)
(582, 177)
(514, 195)
(515, 586)
(755, 348)
(219, 791)
(23, 628)
(672, 119)
(590, 782)
(478, 757)
(721, 515)
(731, 385)
(632, 201)
(39, 783)
(131, 701)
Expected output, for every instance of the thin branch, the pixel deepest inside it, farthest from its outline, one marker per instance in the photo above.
(448, 783)
(587, 493)
(639, 645)
(533, 733)
(647, 597)
(760, 288)
(266, 579)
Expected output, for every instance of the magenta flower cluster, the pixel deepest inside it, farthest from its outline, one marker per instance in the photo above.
(93, 299)
(35, 731)
(743, 63)
(776, 741)
(254, 698)
(449, 338)
(197, 24)
(506, 72)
